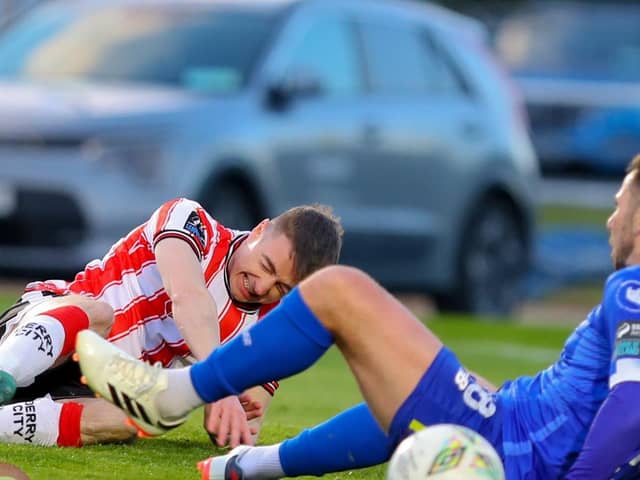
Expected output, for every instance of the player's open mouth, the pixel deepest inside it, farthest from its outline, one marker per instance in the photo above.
(245, 287)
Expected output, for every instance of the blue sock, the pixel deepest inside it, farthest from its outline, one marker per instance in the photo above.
(352, 439)
(286, 341)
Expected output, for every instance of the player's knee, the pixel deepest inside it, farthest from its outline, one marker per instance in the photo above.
(340, 283)
(100, 316)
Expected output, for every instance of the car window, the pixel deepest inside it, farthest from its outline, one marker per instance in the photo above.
(443, 76)
(201, 47)
(327, 52)
(404, 59)
(395, 58)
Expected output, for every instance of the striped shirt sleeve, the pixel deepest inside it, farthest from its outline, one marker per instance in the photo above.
(184, 219)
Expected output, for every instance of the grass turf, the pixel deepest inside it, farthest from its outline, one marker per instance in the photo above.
(495, 350)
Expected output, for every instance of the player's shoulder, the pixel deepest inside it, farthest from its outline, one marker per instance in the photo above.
(622, 289)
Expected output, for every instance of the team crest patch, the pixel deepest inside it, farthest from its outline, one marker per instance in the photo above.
(628, 296)
(195, 227)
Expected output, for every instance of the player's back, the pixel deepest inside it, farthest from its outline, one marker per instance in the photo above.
(548, 415)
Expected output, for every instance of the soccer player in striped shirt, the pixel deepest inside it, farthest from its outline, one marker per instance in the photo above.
(170, 292)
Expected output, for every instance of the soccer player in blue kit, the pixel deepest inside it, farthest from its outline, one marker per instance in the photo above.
(577, 419)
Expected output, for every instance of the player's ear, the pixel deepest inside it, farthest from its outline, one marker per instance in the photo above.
(259, 229)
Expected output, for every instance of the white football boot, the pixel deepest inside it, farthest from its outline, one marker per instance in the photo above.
(223, 467)
(128, 383)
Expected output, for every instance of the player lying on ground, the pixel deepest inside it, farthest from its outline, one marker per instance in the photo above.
(171, 291)
(576, 419)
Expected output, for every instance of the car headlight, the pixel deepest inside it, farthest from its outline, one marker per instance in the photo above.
(141, 159)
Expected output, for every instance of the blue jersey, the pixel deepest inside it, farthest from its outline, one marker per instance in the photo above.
(545, 418)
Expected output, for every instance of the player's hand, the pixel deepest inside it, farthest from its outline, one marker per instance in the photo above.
(227, 424)
(252, 408)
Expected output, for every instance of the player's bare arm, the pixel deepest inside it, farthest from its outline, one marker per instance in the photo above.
(196, 316)
(194, 309)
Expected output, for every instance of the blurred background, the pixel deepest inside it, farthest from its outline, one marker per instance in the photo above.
(471, 148)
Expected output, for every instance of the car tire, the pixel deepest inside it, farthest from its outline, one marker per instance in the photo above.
(232, 205)
(491, 263)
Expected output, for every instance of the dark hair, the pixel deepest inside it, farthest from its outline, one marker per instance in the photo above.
(316, 235)
(634, 164)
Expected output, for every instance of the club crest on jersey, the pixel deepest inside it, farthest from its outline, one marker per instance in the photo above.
(195, 227)
(628, 296)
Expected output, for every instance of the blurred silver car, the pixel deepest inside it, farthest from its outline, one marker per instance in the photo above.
(394, 113)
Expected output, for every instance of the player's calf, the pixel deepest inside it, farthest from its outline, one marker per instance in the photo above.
(41, 422)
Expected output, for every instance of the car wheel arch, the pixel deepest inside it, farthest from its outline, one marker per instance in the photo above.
(457, 297)
(233, 183)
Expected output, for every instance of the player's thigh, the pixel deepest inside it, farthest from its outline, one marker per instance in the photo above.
(385, 345)
(448, 393)
(100, 314)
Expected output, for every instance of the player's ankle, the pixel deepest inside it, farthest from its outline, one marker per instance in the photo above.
(262, 463)
(180, 397)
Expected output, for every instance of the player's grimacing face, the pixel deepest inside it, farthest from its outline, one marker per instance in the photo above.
(263, 268)
(622, 225)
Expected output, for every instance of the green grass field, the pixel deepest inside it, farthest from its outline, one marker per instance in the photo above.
(495, 350)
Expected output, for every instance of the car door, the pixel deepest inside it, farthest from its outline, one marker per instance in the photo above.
(313, 130)
(426, 125)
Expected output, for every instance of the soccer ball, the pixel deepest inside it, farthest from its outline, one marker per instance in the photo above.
(445, 452)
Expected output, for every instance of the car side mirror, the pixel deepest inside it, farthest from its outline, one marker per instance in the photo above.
(292, 87)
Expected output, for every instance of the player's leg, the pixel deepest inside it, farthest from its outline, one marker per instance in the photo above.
(101, 422)
(42, 335)
(64, 423)
(58, 410)
(325, 448)
(382, 342)
(386, 347)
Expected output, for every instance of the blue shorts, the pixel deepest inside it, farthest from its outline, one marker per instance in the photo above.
(447, 393)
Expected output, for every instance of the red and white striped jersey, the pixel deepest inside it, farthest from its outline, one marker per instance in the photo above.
(128, 279)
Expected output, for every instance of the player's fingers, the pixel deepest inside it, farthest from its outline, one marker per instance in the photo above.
(244, 398)
(243, 433)
(223, 427)
(212, 421)
(251, 414)
(237, 433)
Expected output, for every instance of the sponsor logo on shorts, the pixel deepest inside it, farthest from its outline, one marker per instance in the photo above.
(24, 420)
(628, 296)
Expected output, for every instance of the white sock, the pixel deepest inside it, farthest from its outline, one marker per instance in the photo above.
(180, 397)
(262, 463)
(31, 348)
(30, 423)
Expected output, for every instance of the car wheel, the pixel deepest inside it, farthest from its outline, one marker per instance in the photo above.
(491, 263)
(232, 206)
